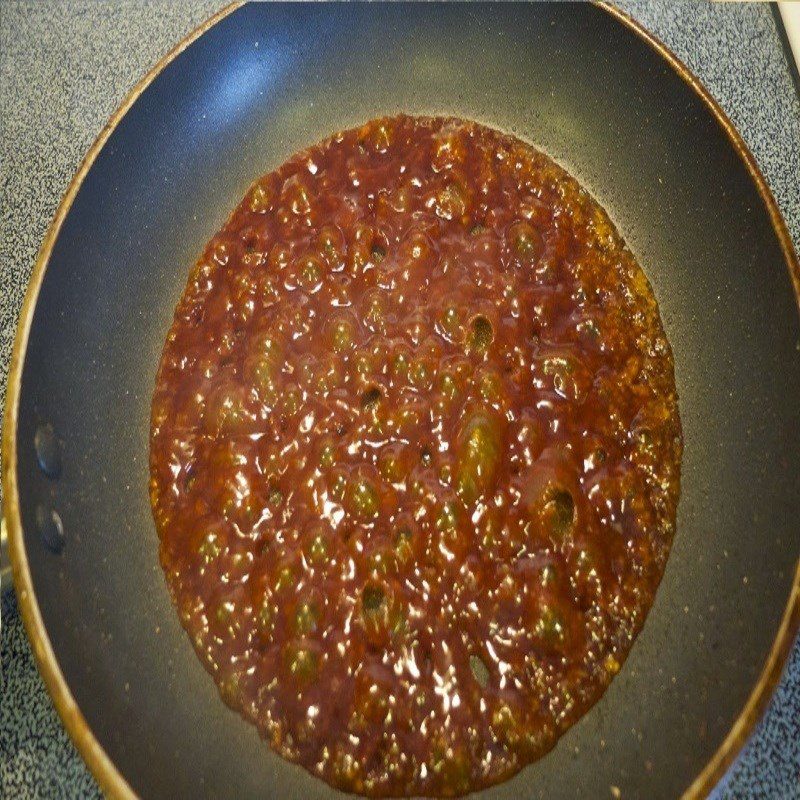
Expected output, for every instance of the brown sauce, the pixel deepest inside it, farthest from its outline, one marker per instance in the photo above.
(415, 456)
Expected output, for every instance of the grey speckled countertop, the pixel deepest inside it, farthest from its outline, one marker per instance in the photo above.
(64, 68)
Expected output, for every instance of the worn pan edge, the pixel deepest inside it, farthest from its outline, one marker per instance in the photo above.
(105, 772)
(790, 622)
(111, 781)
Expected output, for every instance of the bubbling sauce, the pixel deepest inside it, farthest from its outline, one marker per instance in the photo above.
(415, 456)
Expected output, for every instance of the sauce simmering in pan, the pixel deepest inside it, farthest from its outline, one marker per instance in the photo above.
(415, 456)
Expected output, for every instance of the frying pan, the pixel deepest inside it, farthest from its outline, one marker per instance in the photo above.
(242, 93)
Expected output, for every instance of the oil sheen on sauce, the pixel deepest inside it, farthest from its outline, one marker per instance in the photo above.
(415, 456)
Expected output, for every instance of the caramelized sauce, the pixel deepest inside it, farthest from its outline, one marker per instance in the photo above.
(415, 456)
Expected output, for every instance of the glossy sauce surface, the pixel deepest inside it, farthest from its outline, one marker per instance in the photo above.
(415, 456)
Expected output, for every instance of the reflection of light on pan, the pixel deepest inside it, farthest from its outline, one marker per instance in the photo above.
(261, 68)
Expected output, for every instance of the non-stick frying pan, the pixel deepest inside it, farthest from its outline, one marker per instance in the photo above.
(608, 102)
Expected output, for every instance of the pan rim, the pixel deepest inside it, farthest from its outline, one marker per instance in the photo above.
(110, 779)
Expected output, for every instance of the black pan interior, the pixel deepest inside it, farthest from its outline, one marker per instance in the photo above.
(262, 83)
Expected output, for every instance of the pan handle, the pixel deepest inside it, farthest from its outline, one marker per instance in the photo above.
(6, 584)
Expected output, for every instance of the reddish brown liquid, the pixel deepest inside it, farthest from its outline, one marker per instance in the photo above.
(415, 456)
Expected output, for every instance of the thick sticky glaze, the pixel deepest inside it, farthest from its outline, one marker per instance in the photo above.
(415, 456)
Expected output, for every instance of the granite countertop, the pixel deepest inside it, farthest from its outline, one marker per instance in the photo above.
(64, 68)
